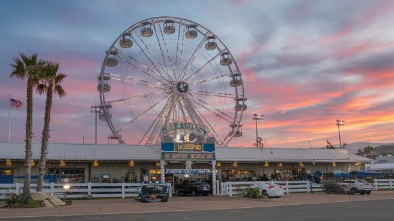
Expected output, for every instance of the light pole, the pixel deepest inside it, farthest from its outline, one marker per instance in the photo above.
(340, 123)
(96, 111)
(257, 117)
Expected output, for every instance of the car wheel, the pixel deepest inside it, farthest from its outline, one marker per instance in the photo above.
(362, 193)
(165, 199)
(194, 193)
(369, 192)
(264, 193)
(355, 190)
(142, 200)
(205, 194)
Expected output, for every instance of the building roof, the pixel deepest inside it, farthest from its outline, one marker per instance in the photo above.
(82, 152)
(287, 155)
(122, 152)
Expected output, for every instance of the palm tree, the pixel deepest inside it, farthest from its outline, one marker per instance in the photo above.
(26, 67)
(50, 84)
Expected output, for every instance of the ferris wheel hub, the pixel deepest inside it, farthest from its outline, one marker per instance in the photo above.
(181, 87)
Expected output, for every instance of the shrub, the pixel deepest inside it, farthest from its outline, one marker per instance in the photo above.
(13, 199)
(252, 193)
(331, 186)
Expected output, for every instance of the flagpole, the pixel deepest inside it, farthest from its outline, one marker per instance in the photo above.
(9, 113)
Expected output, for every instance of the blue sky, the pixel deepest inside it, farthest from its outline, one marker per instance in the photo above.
(304, 63)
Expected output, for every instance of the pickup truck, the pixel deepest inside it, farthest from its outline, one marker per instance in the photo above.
(193, 187)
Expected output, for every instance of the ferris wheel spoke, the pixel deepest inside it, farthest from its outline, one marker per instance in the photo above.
(140, 115)
(193, 56)
(135, 81)
(140, 64)
(181, 49)
(209, 79)
(166, 49)
(154, 126)
(211, 109)
(133, 97)
(216, 94)
(202, 67)
(183, 111)
(202, 120)
(150, 51)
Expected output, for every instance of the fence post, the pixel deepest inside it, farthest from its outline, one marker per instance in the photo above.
(230, 189)
(52, 188)
(89, 188)
(391, 183)
(123, 190)
(17, 186)
(287, 187)
(307, 187)
(376, 184)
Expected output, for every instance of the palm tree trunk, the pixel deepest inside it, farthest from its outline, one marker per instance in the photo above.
(28, 140)
(45, 138)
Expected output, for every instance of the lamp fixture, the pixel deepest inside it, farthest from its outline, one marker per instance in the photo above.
(157, 164)
(280, 164)
(334, 164)
(131, 163)
(266, 164)
(218, 164)
(95, 163)
(301, 164)
(62, 163)
(235, 164)
(8, 163)
(32, 163)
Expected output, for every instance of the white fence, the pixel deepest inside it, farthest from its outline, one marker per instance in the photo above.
(102, 190)
(232, 188)
(79, 190)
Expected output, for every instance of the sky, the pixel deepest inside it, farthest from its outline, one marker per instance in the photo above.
(304, 63)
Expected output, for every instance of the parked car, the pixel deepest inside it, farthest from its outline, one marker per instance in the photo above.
(269, 189)
(193, 187)
(154, 192)
(357, 186)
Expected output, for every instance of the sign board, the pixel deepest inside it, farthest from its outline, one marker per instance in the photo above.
(183, 156)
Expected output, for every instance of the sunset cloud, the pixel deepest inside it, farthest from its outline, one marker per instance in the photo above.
(304, 64)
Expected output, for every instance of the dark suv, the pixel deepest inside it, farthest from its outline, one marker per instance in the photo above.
(193, 187)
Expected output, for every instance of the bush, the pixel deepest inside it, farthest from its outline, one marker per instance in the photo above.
(13, 199)
(252, 193)
(331, 186)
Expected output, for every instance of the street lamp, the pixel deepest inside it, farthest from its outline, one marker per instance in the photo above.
(96, 111)
(257, 117)
(340, 123)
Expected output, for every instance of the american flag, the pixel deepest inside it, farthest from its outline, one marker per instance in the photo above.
(15, 103)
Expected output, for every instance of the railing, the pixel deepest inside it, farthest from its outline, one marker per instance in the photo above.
(79, 190)
(380, 184)
(123, 190)
(233, 188)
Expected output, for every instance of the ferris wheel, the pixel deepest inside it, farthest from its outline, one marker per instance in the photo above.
(163, 70)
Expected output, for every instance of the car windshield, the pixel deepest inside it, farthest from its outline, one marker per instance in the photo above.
(158, 189)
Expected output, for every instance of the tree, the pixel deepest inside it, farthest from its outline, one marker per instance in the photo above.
(329, 145)
(368, 151)
(49, 84)
(26, 67)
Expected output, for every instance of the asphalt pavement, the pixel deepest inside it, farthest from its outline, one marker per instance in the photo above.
(187, 203)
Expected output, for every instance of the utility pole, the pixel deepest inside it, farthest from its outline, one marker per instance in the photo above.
(96, 111)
